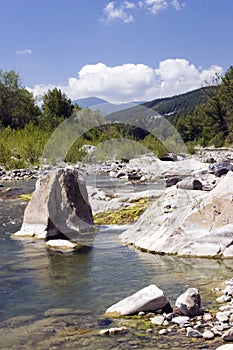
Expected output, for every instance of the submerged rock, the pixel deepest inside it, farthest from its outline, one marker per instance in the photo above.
(59, 208)
(61, 244)
(150, 298)
(113, 330)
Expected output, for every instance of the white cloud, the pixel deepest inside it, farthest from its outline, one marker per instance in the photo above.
(112, 12)
(123, 10)
(177, 4)
(155, 6)
(24, 52)
(129, 5)
(135, 82)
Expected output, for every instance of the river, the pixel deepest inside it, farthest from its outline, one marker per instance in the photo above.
(55, 301)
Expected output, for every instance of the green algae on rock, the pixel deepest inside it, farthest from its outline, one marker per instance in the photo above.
(124, 215)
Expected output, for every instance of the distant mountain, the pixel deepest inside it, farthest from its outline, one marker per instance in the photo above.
(168, 107)
(89, 101)
(147, 115)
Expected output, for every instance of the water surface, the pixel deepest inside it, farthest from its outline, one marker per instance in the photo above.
(57, 301)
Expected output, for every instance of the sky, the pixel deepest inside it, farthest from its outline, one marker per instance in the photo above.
(120, 51)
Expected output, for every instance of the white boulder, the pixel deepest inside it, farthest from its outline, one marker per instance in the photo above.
(150, 298)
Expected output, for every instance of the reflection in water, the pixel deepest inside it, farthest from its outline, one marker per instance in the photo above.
(175, 274)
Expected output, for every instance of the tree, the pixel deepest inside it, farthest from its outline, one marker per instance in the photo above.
(56, 106)
(211, 123)
(17, 105)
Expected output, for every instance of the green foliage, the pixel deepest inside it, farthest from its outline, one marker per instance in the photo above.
(17, 105)
(56, 107)
(154, 145)
(22, 148)
(211, 123)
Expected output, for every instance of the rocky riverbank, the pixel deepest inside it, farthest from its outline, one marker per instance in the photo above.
(151, 308)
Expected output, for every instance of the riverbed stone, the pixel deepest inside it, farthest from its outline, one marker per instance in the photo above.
(221, 168)
(59, 208)
(207, 317)
(61, 244)
(225, 347)
(189, 303)
(190, 183)
(150, 298)
(180, 320)
(228, 335)
(157, 320)
(172, 181)
(207, 334)
(193, 333)
(222, 316)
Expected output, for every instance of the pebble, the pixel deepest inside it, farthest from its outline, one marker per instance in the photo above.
(222, 316)
(228, 335)
(207, 317)
(113, 330)
(141, 313)
(157, 320)
(207, 334)
(223, 299)
(149, 330)
(180, 320)
(193, 333)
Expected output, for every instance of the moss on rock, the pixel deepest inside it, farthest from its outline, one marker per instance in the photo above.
(124, 215)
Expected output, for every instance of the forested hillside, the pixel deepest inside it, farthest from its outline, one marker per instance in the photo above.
(203, 116)
(181, 104)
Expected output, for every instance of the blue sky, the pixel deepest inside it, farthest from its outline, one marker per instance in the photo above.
(120, 51)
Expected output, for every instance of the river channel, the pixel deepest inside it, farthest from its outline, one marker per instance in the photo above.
(55, 301)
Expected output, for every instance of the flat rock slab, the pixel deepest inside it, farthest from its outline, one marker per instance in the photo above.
(61, 244)
(150, 298)
(187, 223)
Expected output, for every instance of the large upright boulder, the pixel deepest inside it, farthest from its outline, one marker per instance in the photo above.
(59, 208)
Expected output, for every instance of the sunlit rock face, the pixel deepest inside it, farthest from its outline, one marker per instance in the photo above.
(187, 223)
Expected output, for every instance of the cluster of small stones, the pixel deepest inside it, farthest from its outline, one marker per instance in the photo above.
(207, 326)
(119, 170)
(19, 174)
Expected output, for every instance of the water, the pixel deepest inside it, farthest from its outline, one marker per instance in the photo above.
(55, 301)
